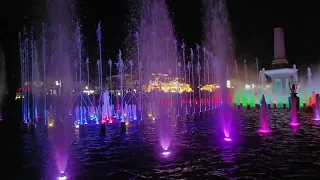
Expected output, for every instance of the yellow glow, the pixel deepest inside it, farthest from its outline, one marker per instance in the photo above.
(150, 115)
(127, 123)
(87, 87)
(18, 97)
(162, 82)
(51, 124)
(209, 87)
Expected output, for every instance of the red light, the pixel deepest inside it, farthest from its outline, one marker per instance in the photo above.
(24, 89)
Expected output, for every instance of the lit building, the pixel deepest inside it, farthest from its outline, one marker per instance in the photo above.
(164, 83)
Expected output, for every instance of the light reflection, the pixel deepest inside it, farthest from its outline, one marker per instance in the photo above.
(62, 176)
(166, 153)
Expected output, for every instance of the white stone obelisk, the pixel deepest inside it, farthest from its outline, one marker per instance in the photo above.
(279, 47)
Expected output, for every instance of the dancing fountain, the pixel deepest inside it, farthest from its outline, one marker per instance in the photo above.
(120, 67)
(25, 79)
(158, 54)
(277, 90)
(316, 109)
(219, 42)
(264, 127)
(62, 38)
(107, 108)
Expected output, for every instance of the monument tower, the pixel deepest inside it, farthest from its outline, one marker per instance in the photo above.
(281, 74)
(279, 60)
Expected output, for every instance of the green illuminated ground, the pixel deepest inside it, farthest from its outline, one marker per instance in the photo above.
(253, 97)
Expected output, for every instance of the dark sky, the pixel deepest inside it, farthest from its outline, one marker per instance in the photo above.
(252, 25)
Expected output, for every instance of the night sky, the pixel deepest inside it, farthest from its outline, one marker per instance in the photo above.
(252, 25)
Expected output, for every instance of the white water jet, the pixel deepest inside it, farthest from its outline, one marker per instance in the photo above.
(107, 106)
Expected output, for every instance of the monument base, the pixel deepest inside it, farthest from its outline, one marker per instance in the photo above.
(103, 129)
(297, 103)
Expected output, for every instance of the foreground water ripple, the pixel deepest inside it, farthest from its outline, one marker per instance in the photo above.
(197, 151)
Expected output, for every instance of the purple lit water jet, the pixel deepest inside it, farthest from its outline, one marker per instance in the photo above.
(165, 130)
(62, 48)
(264, 127)
(218, 40)
(157, 51)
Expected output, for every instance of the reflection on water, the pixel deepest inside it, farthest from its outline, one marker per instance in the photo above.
(196, 151)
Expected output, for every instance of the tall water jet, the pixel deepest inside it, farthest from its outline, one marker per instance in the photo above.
(79, 68)
(198, 72)
(120, 66)
(316, 109)
(44, 75)
(193, 85)
(264, 127)
(24, 67)
(218, 40)
(157, 45)
(139, 63)
(62, 47)
(35, 76)
(99, 64)
(2, 80)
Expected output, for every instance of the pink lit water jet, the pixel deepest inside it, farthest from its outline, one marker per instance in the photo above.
(293, 112)
(264, 126)
(163, 123)
(316, 109)
(165, 133)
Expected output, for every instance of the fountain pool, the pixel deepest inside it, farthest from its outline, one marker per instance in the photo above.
(196, 151)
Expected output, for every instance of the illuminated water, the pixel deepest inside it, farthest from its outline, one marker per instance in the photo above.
(252, 97)
(198, 151)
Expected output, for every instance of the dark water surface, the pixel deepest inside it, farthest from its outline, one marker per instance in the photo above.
(197, 151)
